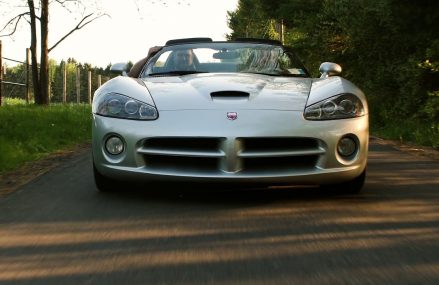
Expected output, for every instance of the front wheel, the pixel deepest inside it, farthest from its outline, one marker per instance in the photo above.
(353, 186)
(103, 183)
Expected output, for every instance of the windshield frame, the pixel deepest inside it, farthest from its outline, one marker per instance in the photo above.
(224, 45)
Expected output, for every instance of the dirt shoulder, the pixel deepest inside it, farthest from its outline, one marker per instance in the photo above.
(409, 148)
(14, 179)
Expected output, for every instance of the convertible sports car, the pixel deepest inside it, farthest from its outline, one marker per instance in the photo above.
(243, 111)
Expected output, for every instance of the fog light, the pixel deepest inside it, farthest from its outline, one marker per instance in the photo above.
(347, 146)
(114, 145)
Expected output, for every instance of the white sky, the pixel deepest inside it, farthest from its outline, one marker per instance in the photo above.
(134, 26)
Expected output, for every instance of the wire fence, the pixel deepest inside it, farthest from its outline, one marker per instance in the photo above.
(69, 81)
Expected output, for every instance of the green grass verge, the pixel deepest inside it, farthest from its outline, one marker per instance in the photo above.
(29, 132)
(411, 132)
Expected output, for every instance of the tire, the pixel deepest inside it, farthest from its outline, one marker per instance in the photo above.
(353, 186)
(103, 183)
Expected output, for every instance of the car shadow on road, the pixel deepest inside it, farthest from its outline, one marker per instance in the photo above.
(225, 194)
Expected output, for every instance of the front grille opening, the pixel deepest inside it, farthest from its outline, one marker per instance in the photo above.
(279, 144)
(183, 144)
(180, 164)
(277, 164)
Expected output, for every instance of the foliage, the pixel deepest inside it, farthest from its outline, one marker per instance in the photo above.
(28, 132)
(413, 131)
(250, 21)
(14, 102)
(390, 48)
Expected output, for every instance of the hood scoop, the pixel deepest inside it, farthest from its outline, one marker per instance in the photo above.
(229, 96)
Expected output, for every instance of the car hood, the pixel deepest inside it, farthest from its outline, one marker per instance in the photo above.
(226, 91)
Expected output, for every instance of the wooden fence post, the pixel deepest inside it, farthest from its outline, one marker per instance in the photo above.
(78, 85)
(64, 83)
(99, 80)
(49, 87)
(281, 31)
(27, 95)
(89, 87)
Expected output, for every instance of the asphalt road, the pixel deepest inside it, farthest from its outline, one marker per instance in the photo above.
(59, 230)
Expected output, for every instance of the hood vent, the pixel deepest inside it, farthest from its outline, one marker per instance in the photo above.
(229, 95)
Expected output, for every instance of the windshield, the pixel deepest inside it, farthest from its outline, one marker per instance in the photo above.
(224, 57)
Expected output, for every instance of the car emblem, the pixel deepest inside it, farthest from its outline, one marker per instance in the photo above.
(232, 115)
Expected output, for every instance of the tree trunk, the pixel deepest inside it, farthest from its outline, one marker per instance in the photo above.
(33, 48)
(40, 74)
(44, 59)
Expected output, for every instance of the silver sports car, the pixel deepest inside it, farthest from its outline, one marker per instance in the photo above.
(243, 111)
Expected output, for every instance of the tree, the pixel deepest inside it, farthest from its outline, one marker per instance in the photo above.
(260, 18)
(390, 48)
(248, 21)
(40, 73)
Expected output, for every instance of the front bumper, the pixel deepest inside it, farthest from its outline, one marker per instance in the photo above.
(264, 146)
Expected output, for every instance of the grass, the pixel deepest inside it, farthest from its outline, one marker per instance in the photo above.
(411, 132)
(30, 132)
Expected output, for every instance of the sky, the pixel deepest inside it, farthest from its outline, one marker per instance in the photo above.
(131, 27)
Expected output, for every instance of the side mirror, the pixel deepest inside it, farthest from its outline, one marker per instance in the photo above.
(329, 69)
(120, 68)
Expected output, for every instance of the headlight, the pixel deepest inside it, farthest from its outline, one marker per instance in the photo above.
(342, 106)
(120, 106)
